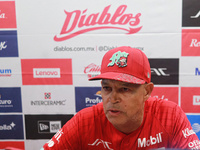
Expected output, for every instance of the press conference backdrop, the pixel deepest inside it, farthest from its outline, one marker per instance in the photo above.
(49, 49)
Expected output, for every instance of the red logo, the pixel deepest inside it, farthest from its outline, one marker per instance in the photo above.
(92, 70)
(7, 14)
(191, 42)
(46, 71)
(78, 22)
(166, 93)
(190, 99)
(12, 145)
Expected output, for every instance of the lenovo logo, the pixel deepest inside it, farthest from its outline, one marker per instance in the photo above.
(79, 22)
(46, 72)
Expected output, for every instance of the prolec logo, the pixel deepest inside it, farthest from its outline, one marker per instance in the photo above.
(78, 22)
(46, 71)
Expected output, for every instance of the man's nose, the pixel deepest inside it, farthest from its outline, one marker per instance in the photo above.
(114, 97)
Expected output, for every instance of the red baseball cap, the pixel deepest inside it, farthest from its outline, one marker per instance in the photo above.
(125, 64)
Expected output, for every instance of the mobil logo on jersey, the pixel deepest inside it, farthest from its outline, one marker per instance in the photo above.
(164, 71)
(10, 100)
(11, 127)
(46, 71)
(166, 93)
(87, 96)
(7, 14)
(190, 42)
(81, 21)
(8, 44)
(190, 99)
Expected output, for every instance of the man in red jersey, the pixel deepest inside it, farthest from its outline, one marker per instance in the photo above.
(128, 118)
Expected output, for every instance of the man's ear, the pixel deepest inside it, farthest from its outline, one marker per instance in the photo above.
(148, 89)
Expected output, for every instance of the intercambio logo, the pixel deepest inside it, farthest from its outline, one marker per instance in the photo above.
(46, 72)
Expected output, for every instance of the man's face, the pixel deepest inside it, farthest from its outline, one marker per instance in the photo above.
(123, 102)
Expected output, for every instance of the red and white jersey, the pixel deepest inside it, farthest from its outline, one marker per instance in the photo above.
(165, 125)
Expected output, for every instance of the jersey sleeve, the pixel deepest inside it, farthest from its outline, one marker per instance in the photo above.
(183, 135)
(66, 138)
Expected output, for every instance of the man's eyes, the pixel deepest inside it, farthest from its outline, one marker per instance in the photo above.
(123, 89)
(106, 88)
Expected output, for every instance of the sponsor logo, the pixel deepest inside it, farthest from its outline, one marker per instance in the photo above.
(87, 96)
(195, 43)
(197, 71)
(195, 122)
(196, 99)
(190, 17)
(190, 42)
(44, 126)
(105, 144)
(164, 71)
(144, 142)
(7, 127)
(3, 45)
(7, 14)
(79, 22)
(159, 71)
(119, 58)
(196, 127)
(10, 100)
(194, 144)
(2, 15)
(55, 139)
(48, 101)
(92, 70)
(46, 71)
(49, 126)
(5, 72)
(190, 99)
(187, 132)
(17, 145)
(11, 127)
(196, 16)
(166, 93)
(8, 44)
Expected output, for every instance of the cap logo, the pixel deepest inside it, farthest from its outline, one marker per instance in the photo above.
(119, 58)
